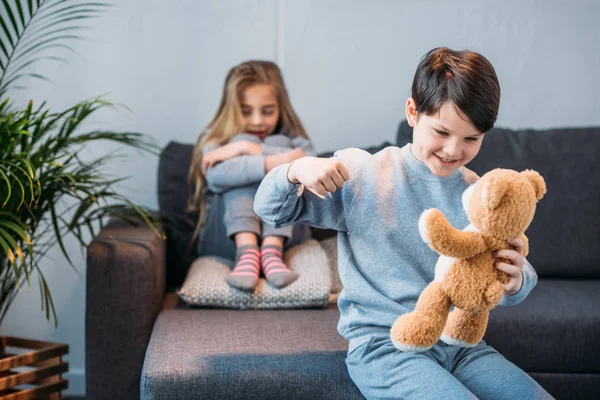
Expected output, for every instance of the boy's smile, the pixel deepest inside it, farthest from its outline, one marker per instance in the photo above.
(444, 141)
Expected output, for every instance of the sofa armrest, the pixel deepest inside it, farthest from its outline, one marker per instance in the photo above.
(125, 292)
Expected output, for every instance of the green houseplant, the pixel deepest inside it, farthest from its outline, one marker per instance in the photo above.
(48, 189)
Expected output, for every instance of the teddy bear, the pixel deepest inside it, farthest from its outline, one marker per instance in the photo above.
(500, 206)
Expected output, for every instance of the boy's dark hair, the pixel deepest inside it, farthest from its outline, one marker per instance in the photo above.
(465, 78)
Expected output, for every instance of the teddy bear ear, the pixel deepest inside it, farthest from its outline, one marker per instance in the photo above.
(493, 191)
(537, 181)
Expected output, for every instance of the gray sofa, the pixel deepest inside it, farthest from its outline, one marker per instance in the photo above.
(141, 342)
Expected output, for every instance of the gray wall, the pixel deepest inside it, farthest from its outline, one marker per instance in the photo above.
(348, 66)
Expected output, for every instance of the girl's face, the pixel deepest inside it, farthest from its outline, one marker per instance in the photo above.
(260, 110)
(445, 141)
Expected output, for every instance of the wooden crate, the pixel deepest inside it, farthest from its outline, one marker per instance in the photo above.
(42, 378)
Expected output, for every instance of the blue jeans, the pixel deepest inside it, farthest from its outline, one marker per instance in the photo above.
(381, 371)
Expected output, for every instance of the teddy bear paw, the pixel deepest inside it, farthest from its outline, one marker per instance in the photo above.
(405, 337)
(455, 342)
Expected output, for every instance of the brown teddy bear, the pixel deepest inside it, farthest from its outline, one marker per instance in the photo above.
(500, 207)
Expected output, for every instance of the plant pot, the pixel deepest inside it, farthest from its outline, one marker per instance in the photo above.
(41, 378)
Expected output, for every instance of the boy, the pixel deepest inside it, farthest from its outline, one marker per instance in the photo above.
(374, 202)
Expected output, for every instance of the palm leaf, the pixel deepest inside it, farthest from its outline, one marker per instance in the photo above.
(42, 166)
(40, 162)
(47, 302)
(4, 176)
(32, 28)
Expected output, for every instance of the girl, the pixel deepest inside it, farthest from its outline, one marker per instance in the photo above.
(254, 130)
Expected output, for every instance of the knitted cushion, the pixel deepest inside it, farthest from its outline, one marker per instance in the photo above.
(205, 283)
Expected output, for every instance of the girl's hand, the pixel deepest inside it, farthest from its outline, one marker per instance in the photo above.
(296, 154)
(275, 160)
(228, 151)
(515, 268)
(320, 175)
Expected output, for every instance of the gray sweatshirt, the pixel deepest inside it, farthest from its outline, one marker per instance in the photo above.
(383, 263)
(245, 170)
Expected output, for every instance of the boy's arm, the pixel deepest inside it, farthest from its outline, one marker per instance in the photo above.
(529, 281)
(279, 202)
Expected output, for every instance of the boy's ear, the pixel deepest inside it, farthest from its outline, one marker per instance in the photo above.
(411, 112)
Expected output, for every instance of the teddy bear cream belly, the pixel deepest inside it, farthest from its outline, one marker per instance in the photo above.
(473, 283)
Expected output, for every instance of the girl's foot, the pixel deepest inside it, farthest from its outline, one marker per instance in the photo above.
(275, 271)
(247, 268)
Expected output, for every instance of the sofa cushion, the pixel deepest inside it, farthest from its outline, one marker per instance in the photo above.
(556, 329)
(251, 354)
(565, 232)
(206, 284)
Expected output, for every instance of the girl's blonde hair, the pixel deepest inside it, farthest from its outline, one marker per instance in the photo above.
(228, 122)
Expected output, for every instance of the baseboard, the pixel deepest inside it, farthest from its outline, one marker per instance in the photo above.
(76, 377)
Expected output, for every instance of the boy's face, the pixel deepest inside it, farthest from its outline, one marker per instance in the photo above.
(260, 110)
(445, 141)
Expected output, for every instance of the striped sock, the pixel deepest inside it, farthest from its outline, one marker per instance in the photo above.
(247, 268)
(276, 272)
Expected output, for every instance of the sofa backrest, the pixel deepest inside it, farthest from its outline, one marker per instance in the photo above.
(173, 166)
(565, 233)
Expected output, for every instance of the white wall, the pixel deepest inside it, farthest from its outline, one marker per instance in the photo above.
(348, 66)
